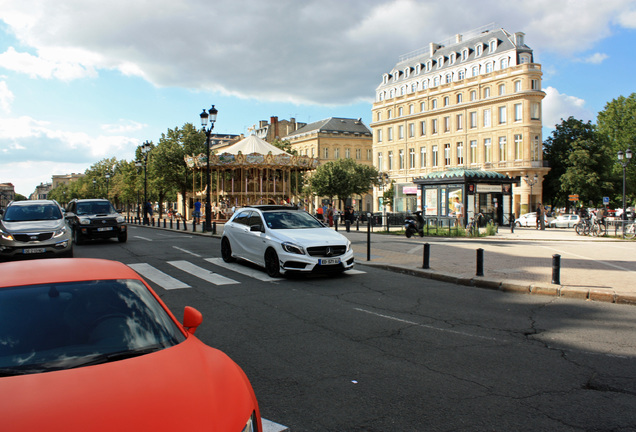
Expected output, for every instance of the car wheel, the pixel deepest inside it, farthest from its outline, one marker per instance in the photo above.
(123, 237)
(77, 237)
(272, 266)
(226, 251)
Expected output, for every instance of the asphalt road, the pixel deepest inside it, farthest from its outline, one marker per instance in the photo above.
(383, 351)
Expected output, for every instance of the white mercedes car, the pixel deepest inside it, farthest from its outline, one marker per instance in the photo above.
(284, 239)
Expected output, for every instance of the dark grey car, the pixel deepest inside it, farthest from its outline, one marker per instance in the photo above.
(34, 229)
(95, 219)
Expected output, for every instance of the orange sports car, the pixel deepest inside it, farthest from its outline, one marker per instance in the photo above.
(87, 345)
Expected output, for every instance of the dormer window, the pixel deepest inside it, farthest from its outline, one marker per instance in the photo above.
(479, 49)
(453, 57)
(429, 65)
(385, 78)
(440, 62)
(465, 54)
(418, 69)
(492, 45)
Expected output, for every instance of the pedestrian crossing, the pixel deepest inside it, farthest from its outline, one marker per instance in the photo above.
(177, 269)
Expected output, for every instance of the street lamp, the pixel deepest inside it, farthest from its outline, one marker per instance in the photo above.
(205, 116)
(107, 179)
(383, 179)
(95, 187)
(145, 148)
(531, 182)
(628, 157)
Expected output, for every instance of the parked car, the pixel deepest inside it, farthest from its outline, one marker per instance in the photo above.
(529, 220)
(284, 239)
(34, 229)
(88, 345)
(95, 219)
(565, 221)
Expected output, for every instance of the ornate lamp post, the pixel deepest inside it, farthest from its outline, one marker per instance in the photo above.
(107, 179)
(210, 116)
(531, 182)
(628, 157)
(145, 148)
(383, 179)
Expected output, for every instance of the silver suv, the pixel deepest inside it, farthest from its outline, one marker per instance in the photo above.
(34, 229)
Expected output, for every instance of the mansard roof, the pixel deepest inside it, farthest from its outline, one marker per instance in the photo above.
(334, 125)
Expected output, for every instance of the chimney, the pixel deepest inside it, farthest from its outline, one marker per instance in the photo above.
(458, 38)
(274, 122)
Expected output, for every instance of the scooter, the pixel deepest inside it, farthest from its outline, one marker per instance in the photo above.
(414, 225)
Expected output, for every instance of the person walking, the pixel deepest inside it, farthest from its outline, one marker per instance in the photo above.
(197, 212)
(330, 215)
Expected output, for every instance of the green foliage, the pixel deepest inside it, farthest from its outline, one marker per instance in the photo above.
(342, 178)
(284, 145)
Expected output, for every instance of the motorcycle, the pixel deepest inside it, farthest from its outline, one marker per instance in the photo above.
(414, 225)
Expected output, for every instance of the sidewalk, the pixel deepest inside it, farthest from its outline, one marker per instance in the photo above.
(591, 268)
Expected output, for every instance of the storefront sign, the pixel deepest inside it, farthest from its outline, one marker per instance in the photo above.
(409, 190)
(486, 188)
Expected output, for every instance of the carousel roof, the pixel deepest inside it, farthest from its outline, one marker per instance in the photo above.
(252, 144)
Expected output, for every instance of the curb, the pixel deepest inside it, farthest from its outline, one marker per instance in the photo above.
(517, 287)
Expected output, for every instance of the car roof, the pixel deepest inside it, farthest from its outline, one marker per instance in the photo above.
(52, 270)
(271, 207)
(32, 202)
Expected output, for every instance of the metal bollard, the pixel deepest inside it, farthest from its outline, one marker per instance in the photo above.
(358, 224)
(194, 226)
(427, 256)
(164, 223)
(177, 224)
(213, 228)
(335, 223)
(170, 223)
(185, 225)
(369, 238)
(556, 269)
(480, 262)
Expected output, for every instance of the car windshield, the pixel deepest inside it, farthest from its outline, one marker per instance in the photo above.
(26, 213)
(67, 325)
(286, 219)
(94, 208)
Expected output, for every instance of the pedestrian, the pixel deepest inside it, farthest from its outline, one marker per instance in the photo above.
(320, 214)
(197, 212)
(459, 212)
(330, 215)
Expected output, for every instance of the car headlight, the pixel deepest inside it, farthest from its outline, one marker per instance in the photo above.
(84, 221)
(121, 219)
(59, 232)
(250, 426)
(6, 236)
(293, 248)
(348, 245)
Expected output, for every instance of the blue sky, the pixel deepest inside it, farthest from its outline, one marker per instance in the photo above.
(82, 80)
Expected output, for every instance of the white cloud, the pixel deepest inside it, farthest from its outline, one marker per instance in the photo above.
(596, 58)
(558, 106)
(124, 126)
(6, 97)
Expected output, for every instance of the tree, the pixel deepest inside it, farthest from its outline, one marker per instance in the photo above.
(617, 123)
(557, 150)
(343, 178)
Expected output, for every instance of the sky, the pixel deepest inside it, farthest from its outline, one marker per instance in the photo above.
(82, 80)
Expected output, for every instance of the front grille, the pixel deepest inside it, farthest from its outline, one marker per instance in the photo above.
(104, 222)
(33, 237)
(326, 251)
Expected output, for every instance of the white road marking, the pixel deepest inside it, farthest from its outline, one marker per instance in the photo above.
(202, 273)
(354, 271)
(157, 276)
(270, 426)
(247, 271)
(143, 238)
(588, 258)
(187, 251)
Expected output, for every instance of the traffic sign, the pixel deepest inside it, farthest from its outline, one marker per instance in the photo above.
(574, 197)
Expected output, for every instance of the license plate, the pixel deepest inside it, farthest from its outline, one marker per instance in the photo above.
(329, 261)
(33, 250)
(105, 229)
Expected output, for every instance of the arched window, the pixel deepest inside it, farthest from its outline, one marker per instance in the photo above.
(436, 81)
(461, 74)
(460, 98)
(449, 78)
(489, 67)
(465, 54)
(479, 49)
(503, 63)
(486, 92)
(475, 71)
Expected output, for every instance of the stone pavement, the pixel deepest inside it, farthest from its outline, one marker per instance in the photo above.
(591, 268)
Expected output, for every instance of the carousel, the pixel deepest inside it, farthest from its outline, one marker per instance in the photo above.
(252, 172)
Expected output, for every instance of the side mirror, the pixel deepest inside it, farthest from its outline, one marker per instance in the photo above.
(257, 228)
(69, 215)
(192, 319)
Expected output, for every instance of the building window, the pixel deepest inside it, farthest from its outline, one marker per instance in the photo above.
(358, 154)
(503, 63)
(473, 152)
(535, 84)
(489, 67)
(486, 118)
(460, 153)
(348, 153)
(518, 144)
(535, 111)
(390, 160)
(400, 112)
(434, 126)
(434, 161)
(460, 121)
(502, 89)
(379, 116)
(461, 74)
(502, 115)
(401, 159)
(411, 130)
(436, 81)
(475, 71)
(479, 49)
(422, 157)
(492, 45)
(449, 78)
(486, 92)
(446, 101)
(434, 104)
(401, 132)
(447, 124)
(453, 57)
(326, 153)
(336, 153)
(423, 128)
(411, 109)
(411, 158)
(390, 134)
(473, 119)
(502, 149)
(424, 84)
(447, 154)
(413, 87)
(422, 106)
(517, 86)
(465, 54)
(487, 150)
(536, 148)
(518, 112)
(389, 114)
(380, 161)
(379, 135)
(473, 95)
(460, 98)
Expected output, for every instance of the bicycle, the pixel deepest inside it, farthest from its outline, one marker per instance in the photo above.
(472, 229)
(630, 230)
(598, 229)
(583, 227)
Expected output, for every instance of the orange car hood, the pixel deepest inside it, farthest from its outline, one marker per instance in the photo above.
(187, 387)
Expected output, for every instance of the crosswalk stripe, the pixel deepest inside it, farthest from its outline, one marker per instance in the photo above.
(239, 268)
(202, 273)
(354, 271)
(157, 276)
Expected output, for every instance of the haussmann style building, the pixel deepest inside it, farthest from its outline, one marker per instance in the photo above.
(469, 110)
